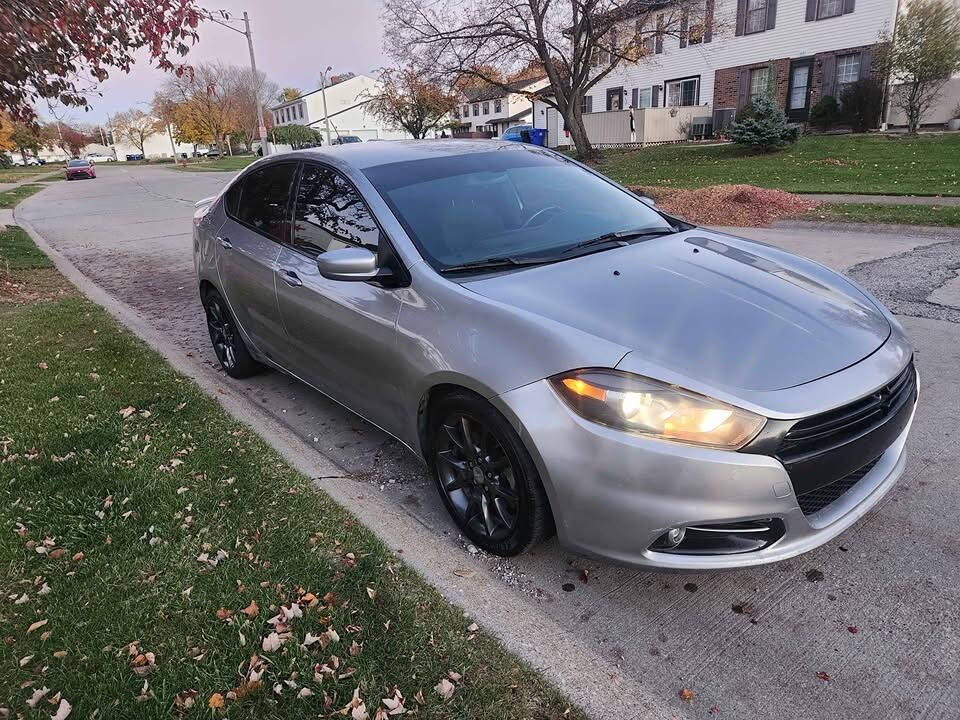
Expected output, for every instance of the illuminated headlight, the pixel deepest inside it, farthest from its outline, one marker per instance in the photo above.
(647, 407)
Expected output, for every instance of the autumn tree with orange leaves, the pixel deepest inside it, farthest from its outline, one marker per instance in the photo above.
(407, 99)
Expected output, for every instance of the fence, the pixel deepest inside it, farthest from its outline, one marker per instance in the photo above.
(651, 126)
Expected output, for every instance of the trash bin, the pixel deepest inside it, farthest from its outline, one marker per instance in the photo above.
(538, 136)
(525, 136)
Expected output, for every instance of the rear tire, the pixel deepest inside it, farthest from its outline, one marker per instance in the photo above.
(485, 476)
(228, 344)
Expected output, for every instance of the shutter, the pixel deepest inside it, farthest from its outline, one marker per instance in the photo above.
(708, 23)
(684, 24)
(866, 58)
(743, 87)
(589, 103)
(829, 68)
(848, 6)
(811, 10)
(655, 96)
(659, 34)
(635, 97)
(771, 14)
(742, 15)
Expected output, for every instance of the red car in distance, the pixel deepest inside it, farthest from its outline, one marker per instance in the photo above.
(80, 169)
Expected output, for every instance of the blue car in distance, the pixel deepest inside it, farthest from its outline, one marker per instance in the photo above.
(514, 133)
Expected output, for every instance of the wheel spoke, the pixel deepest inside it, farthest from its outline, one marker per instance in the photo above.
(502, 492)
(487, 517)
(454, 436)
(469, 446)
(448, 458)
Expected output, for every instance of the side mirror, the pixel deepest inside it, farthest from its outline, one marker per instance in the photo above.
(350, 263)
(649, 201)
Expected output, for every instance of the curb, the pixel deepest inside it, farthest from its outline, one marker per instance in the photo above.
(591, 682)
(887, 228)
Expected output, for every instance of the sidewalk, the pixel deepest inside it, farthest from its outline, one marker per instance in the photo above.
(885, 199)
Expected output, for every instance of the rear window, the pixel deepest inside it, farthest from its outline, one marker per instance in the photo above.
(264, 200)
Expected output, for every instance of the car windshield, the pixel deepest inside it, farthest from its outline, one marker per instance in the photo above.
(78, 163)
(508, 202)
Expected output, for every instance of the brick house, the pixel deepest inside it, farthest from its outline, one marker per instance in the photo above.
(731, 50)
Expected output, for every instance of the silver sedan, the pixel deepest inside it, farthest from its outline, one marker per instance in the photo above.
(564, 357)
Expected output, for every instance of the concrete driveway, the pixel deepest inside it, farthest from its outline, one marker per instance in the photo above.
(867, 626)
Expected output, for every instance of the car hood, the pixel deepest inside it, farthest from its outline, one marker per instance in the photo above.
(729, 312)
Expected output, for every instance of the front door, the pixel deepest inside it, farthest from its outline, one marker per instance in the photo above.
(615, 98)
(341, 335)
(798, 96)
(249, 244)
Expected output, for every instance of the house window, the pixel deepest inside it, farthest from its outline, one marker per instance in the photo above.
(644, 98)
(697, 25)
(466, 111)
(486, 108)
(757, 16)
(300, 111)
(456, 113)
(848, 71)
(496, 105)
(829, 8)
(586, 104)
(645, 38)
(759, 79)
(476, 109)
(683, 92)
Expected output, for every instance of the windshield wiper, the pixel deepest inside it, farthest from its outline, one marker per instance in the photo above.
(493, 263)
(621, 237)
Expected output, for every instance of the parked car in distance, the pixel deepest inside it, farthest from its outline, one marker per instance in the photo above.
(515, 133)
(77, 169)
(213, 153)
(18, 160)
(345, 140)
(100, 158)
(134, 156)
(564, 356)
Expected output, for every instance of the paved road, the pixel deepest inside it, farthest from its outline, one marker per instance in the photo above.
(749, 642)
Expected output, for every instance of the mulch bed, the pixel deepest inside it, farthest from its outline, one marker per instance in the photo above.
(736, 205)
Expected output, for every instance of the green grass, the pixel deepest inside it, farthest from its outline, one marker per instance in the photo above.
(16, 174)
(10, 198)
(897, 214)
(236, 162)
(18, 252)
(123, 507)
(926, 165)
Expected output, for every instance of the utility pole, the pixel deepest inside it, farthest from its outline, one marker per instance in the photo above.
(323, 91)
(262, 129)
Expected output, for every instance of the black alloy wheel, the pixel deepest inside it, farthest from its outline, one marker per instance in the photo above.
(485, 476)
(228, 345)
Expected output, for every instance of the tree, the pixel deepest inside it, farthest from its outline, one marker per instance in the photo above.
(408, 99)
(920, 56)
(246, 89)
(136, 127)
(577, 42)
(289, 93)
(73, 140)
(765, 129)
(6, 133)
(24, 137)
(296, 136)
(61, 49)
(208, 105)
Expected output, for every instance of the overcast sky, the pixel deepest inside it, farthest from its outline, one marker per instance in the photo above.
(294, 41)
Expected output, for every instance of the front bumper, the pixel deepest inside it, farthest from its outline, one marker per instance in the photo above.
(613, 494)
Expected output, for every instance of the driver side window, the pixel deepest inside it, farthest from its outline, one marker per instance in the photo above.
(330, 214)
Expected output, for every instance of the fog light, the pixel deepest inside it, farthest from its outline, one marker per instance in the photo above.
(671, 538)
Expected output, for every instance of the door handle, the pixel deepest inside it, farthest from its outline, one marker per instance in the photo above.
(225, 242)
(290, 278)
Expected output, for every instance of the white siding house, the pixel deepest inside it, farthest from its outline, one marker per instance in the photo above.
(346, 105)
(155, 147)
(491, 109)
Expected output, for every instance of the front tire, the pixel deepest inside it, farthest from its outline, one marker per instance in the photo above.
(228, 345)
(485, 476)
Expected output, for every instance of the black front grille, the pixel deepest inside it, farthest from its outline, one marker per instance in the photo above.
(817, 499)
(826, 431)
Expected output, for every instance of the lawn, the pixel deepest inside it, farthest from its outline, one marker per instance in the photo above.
(157, 559)
(235, 162)
(16, 174)
(897, 214)
(9, 198)
(872, 164)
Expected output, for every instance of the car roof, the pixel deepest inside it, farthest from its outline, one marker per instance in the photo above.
(368, 155)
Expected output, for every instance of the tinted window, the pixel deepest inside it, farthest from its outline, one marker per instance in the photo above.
(263, 201)
(330, 214)
(232, 199)
(78, 163)
(517, 200)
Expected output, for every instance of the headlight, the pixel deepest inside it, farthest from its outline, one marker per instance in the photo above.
(647, 407)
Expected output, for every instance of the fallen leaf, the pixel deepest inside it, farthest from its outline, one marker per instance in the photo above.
(419, 697)
(60, 654)
(37, 696)
(454, 675)
(473, 628)
(823, 676)
(215, 702)
(58, 553)
(36, 626)
(251, 610)
(25, 660)
(304, 693)
(445, 689)
(355, 648)
(77, 557)
(223, 614)
(371, 592)
(127, 411)
(63, 710)
(853, 629)
(42, 365)
(272, 642)
(687, 694)
(185, 699)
